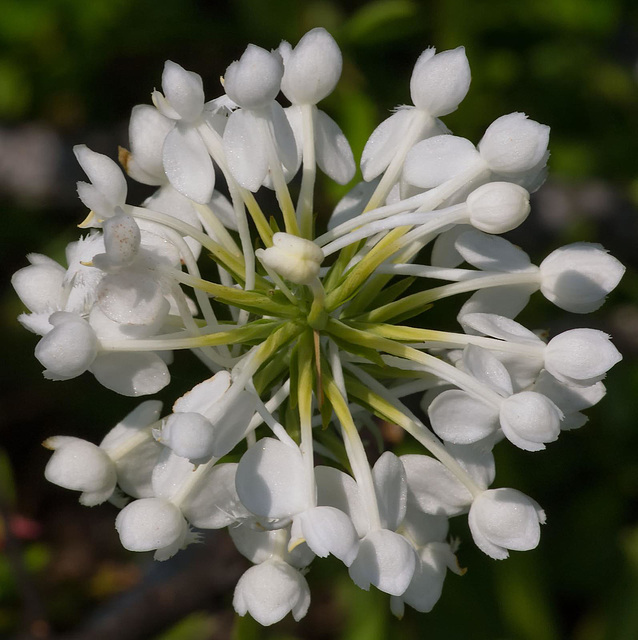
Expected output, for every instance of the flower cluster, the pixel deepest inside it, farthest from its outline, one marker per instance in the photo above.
(307, 337)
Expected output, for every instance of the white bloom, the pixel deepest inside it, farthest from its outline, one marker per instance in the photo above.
(82, 466)
(268, 591)
(502, 519)
(498, 207)
(579, 276)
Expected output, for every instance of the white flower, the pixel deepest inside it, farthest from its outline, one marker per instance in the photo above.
(498, 207)
(82, 466)
(268, 591)
(579, 276)
(502, 519)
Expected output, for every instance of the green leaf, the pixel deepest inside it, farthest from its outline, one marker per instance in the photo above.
(381, 21)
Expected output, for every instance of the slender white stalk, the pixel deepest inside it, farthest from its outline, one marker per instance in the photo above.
(428, 221)
(304, 209)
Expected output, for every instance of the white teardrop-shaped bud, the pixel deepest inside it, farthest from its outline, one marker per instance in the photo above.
(69, 349)
(253, 81)
(152, 523)
(439, 82)
(514, 144)
(294, 258)
(529, 419)
(82, 466)
(190, 435)
(498, 207)
(312, 69)
(502, 519)
(269, 591)
(581, 356)
(579, 276)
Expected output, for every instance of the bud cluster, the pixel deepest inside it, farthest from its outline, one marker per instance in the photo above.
(307, 337)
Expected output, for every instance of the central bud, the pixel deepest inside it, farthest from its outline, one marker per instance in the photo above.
(296, 259)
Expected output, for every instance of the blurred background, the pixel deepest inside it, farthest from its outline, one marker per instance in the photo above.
(70, 71)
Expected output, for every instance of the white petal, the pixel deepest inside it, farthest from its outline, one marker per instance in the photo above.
(147, 131)
(103, 173)
(269, 591)
(95, 200)
(579, 276)
(444, 252)
(132, 298)
(184, 90)
(491, 253)
(487, 369)
(391, 490)
(385, 560)
(440, 82)
(246, 149)
(459, 418)
(435, 160)
(495, 326)
(214, 503)
(384, 142)
(187, 164)
(131, 374)
(170, 473)
(230, 417)
(529, 419)
(433, 488)
(427, 583)
(150, 523)
(567, 397)
(507, 301)
(502, 519)
(352, 204)
(285, 142)
(334, 155)
(337, 489)
(329, 531)
(258, 545)
(272, 480)
(205, 394)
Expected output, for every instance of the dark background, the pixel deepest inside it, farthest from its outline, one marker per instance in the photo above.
(70, 71)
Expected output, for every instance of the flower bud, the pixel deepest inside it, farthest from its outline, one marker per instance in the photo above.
(502, 519)
(439, 82)
(514, 144)
(581, 356)
(294, 258)
(69, 349)
(579, 276)
(190, 435)
(312, 69)
(498, 207)
(529, 419)
(253, 81)
(82, 466)
(152, 523)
